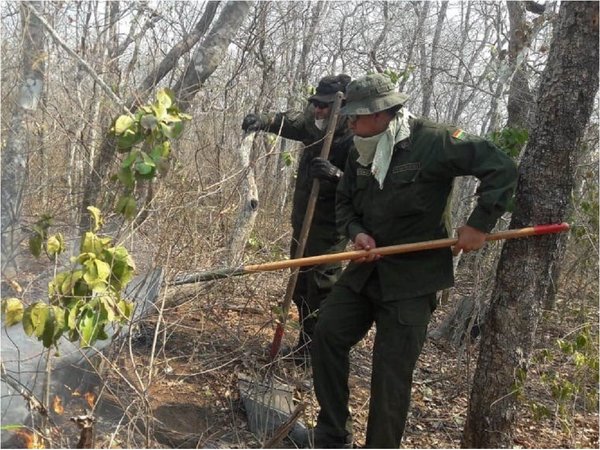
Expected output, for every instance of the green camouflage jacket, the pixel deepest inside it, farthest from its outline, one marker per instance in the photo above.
(411, 205)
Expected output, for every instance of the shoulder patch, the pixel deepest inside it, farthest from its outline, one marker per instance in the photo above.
(459, 134)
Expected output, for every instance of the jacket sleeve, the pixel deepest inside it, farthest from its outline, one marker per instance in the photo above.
(496, 171)
(289, 124)
(348, 221)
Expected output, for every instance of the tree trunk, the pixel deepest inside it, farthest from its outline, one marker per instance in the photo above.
(248, 206)
(566, 97)
(14, 160)
(211, 52)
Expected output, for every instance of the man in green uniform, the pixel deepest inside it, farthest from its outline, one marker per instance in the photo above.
(309, 127)
(395, 188)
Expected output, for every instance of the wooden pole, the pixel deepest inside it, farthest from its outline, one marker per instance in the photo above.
(310, 209)
(356, 254)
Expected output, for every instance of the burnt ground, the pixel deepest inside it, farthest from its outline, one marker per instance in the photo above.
(209, 333)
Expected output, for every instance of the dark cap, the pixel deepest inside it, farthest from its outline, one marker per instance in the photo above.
(328, 86)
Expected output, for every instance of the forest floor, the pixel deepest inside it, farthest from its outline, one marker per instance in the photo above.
(187, 395)
(212, 332)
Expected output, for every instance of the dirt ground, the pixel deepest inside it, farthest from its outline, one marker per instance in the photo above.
(210, 333)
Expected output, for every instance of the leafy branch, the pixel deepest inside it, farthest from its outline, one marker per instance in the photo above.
(83, 300)
(145, 138)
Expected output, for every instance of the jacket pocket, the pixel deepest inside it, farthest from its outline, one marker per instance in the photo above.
(404, 194)
(416, 312)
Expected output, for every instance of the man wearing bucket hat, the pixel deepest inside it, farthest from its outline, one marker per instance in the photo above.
(396, 184)
(309, 127)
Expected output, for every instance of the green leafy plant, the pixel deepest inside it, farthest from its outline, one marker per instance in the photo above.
(39, 240)
(145, 137)
(510, 140)
(84, 300)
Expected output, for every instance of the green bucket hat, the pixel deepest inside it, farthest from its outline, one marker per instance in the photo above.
(371, 94)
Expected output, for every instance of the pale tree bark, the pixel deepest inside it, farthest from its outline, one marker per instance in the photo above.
(248, 208)
(14, 153)
(210, 52)
(566, 97)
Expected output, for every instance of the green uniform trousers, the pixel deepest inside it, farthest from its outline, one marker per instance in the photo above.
(314, 283)
(344, 319)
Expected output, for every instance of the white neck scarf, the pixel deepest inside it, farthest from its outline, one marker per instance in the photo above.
(378, 149)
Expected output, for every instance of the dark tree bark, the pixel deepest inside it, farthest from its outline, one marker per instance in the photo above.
(566, 97)
(520, 97)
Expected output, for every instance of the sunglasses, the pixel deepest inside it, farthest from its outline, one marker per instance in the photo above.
(321, 105)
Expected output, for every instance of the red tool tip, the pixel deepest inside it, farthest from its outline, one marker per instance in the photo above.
(551, 228)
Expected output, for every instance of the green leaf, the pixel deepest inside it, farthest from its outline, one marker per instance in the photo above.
(145, 166)
(149, 122)
(47, 336)
(159, 110)
(123, 123)
(96, 274)
(129, 139)
(125, 176)
(102, 270)
(88, 328)
(126, 308)
(55, 244)
(60, 317)
(165, 97)
(127, 206)
(172, 131)
(108, 307)
(72, 316)
(12, 310)
(160, 151)
(127, 162)
(287, 158)
(122, 266)
(97, 217)
(34, 319)
(35, 245)
(581, 341)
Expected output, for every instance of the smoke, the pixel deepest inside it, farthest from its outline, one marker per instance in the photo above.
(24, 362)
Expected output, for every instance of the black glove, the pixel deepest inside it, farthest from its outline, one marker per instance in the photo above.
(324, 170)
(251, 123)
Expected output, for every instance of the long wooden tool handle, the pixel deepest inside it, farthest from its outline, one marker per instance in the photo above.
(403, 248)
(303, 237)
